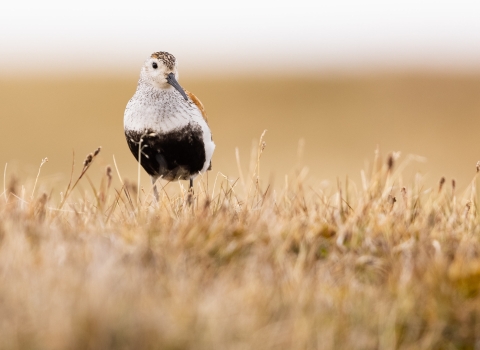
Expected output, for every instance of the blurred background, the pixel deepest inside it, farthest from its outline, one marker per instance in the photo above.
(343, 76)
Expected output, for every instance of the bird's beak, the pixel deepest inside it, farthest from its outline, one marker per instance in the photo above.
(172, 81)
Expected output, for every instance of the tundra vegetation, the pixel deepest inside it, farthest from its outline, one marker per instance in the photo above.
(239, 264)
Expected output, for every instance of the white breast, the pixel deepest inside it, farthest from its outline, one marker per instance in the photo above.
(164, 111)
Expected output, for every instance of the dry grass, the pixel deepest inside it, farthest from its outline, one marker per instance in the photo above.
(382, 264)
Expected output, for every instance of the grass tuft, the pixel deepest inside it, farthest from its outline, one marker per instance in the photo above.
(241, 264)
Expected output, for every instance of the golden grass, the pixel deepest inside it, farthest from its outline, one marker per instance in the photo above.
(378, 264)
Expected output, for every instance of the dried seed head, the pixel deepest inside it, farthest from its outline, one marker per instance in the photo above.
(453, 184)
(442, 182)
(392, 199)
(264, 144)
(88, 160)
(109, 175)
(13, 185)
(43, 199)
(97, 151)
(390, 162)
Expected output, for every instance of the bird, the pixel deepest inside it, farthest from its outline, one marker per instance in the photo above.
(166, 126)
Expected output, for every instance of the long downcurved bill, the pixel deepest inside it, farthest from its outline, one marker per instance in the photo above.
(172, 81)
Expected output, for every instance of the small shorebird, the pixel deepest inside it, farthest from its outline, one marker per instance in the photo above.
(166, 126)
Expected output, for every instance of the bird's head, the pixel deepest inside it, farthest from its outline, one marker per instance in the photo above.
(160, 71)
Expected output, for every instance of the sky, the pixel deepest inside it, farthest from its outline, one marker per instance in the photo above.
(287, 37)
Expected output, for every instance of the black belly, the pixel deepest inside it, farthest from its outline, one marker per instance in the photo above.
(176, 155)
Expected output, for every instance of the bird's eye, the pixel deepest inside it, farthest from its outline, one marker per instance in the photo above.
(154, 65)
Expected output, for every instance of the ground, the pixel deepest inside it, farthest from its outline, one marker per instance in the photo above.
(382, 263)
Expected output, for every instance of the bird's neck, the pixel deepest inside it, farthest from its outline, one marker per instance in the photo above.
(146, 86)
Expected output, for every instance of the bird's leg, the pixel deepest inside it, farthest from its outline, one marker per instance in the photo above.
(155, 192)
(190, 193)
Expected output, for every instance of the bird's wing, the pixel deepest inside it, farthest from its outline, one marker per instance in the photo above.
(198, 104)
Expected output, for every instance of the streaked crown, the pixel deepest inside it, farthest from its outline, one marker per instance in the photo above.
(167, 58)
